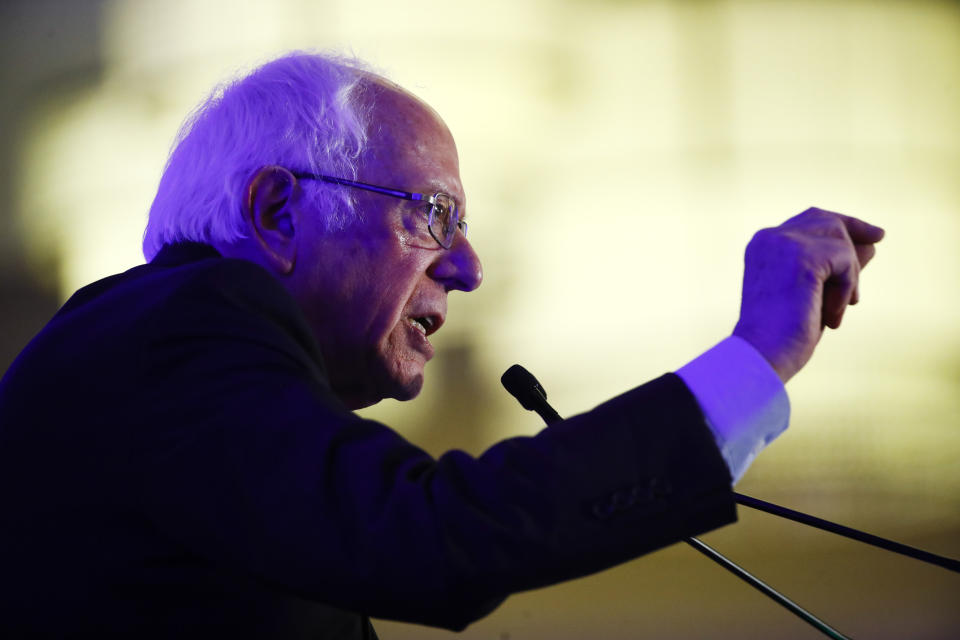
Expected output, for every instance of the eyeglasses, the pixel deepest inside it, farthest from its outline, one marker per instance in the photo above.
(442, 221)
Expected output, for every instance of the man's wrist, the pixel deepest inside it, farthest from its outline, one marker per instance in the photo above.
(756, 341)
(742, 398)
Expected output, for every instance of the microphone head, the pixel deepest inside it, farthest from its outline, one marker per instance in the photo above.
(523, 386)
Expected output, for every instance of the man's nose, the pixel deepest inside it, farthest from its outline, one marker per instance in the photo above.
(458, 267)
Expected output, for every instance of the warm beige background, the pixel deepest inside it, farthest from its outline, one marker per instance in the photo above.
(617, 156)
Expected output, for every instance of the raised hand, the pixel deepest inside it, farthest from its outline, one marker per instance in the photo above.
(799, 278)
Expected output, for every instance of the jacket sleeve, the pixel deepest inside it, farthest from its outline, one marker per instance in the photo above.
(245, 457)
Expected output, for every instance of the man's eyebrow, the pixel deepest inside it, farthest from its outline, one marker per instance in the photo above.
(437, 186)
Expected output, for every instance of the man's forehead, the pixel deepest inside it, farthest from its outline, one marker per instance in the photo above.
(386, 98)
(406, 133)
(400, 122)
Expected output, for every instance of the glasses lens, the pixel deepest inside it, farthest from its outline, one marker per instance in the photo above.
(443, 219)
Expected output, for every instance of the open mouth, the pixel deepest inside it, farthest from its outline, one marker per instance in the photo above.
(425, 324)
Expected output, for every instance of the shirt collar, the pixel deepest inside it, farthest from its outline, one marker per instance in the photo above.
(171, 255)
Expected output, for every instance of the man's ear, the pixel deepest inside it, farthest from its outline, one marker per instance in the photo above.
(270, 210)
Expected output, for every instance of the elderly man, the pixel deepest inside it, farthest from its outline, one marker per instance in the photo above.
(178, 455)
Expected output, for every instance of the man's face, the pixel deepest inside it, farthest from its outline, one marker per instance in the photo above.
(375, 291)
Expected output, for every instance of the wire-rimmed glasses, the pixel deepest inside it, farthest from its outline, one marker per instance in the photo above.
(442, 221)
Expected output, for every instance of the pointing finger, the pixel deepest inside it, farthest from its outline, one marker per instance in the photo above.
(862, 232)
(833, 223)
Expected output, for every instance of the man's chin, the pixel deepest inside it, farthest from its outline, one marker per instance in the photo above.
(408, 389)
(404, 389)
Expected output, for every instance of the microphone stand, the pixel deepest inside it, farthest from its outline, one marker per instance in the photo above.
(527, 390)
(848, 532)
(763, 587)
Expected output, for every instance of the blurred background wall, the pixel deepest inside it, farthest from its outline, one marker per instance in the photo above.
(617, 156)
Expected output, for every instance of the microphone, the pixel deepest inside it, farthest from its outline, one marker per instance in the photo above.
(530, 393)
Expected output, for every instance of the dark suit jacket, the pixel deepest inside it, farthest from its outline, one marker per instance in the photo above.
(174, 464)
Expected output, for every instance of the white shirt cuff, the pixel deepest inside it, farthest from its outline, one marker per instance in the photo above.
(742, 398)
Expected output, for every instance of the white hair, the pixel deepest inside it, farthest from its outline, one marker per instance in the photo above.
(301, 111)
